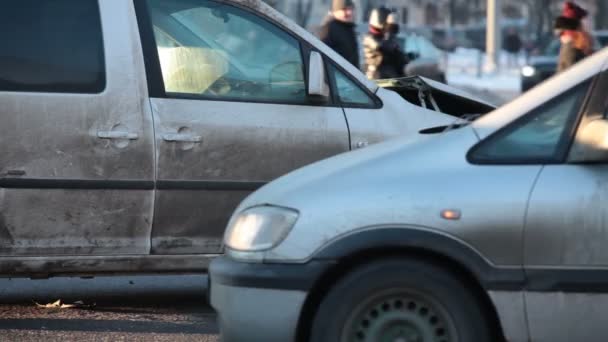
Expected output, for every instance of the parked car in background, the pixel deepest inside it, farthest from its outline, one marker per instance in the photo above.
(130, 130)
(426, 57)
(493, 230)
(602, 37)
(544, 64)
(541, 66)
(448, 39)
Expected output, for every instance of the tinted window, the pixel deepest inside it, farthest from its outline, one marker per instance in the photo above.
(217, 51)
(539, 136)
(51, 46)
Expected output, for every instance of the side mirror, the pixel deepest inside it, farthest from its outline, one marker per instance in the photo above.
(591, 143)
(317, 82)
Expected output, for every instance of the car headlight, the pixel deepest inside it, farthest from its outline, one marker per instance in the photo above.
(528, 71)
(259, 228)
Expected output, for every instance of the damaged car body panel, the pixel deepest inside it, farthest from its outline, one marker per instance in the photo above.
(440, 97)
(77, 166)
(126, 146)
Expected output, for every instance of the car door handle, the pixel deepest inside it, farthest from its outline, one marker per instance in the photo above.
(117, 135)
(177, 137)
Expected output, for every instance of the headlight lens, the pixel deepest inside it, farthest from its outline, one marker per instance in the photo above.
(528, 71)
(259, 228)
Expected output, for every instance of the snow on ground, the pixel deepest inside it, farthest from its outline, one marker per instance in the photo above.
(465, 70)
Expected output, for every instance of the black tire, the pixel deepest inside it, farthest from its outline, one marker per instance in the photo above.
(425, 301)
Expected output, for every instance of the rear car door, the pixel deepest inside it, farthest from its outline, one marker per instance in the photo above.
(231, 113)
(566, 232)
(76, 168)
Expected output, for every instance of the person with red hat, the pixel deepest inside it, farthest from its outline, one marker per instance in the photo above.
(576, 42)
(378, 50)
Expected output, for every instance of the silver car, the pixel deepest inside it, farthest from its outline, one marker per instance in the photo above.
(486, 231)
(131, 129)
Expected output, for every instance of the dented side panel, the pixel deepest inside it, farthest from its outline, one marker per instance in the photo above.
(397, 118)
(55, 138)
(74, 222)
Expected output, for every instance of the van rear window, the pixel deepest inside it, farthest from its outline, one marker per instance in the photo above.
(51, 46)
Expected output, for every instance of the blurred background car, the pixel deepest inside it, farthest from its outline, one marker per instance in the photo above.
(602, 37)
(425, 57)
(544, 64)
(448, 39)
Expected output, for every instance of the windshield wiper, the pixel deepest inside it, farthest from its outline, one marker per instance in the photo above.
(460, 122)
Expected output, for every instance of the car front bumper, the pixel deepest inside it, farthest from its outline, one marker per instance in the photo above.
(260, 302)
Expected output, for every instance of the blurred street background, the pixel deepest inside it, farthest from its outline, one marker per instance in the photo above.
(453, 35)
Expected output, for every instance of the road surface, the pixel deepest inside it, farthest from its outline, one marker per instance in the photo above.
(142, 308)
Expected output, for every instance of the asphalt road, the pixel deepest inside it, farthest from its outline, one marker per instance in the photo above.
(142, 308)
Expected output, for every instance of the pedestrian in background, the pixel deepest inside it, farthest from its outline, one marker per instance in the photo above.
(576, 42)
(377, 48)
(395, 54)
(512, 44)
(338, 32)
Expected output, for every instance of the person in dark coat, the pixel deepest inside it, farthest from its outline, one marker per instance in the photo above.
(338, 32)
(395, 54)
(512, 44)
(576, 42)
(377, 49)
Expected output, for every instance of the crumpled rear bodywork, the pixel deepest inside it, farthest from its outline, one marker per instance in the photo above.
(437, 96)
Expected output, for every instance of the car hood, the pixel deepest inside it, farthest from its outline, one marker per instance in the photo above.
(394, 160)
(404, 183)
(447, 99)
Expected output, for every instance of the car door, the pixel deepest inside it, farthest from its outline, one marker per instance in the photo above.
(231, 113)
(370, 120)
(76, 168)
(566, 232)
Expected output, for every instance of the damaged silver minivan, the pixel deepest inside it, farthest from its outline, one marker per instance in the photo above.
(131, 129)
(486, 231)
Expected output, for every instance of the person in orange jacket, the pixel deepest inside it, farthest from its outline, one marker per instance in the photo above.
(576, 42)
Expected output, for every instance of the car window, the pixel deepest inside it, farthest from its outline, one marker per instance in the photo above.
(349, 92)
(538, 137)
(51, 46)
(213, 50)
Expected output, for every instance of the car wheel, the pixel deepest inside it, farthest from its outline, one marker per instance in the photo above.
(400, 300)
